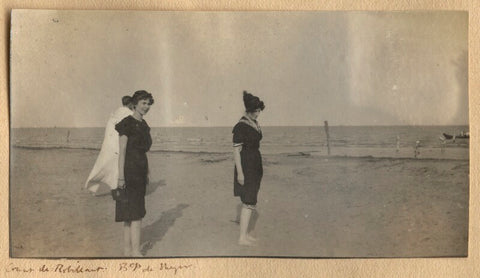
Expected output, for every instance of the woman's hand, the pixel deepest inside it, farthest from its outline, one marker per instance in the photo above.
(121, 183)
(238, 164)
(240, 179)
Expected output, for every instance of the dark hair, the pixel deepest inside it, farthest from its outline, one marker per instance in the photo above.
(252, 102)
(126, 100)
(140, 95)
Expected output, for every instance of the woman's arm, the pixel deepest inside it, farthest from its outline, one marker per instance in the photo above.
(121, 160)
(238, 164)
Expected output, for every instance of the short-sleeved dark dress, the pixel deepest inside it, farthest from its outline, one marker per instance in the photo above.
(248, 137)
(135, 169)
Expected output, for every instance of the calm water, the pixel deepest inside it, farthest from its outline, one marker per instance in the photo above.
(276, 139)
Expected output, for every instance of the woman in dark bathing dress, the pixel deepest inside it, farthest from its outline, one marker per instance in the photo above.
(248, 163)
(135, 141)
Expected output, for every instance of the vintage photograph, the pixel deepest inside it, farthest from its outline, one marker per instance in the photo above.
(238, 134)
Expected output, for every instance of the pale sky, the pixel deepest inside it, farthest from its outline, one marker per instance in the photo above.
(71, 68)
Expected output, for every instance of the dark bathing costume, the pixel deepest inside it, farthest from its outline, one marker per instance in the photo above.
(135, 169)
(247, 133)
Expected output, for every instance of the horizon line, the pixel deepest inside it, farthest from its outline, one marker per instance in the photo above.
(339, 125)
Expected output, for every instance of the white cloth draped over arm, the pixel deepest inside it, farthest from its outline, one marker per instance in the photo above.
(104, 175)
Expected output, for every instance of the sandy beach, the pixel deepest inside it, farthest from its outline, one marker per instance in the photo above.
(309, 206)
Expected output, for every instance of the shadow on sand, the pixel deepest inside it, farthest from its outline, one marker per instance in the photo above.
(153, 186)
(154, 232)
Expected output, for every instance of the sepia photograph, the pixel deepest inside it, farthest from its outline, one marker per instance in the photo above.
(320, 134)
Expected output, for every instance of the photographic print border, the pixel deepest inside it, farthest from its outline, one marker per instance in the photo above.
(239, 267)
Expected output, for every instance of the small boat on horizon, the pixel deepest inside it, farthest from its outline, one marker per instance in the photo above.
(462, 135)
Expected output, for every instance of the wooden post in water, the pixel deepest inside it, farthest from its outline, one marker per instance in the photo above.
(328, 137)
(398, 143)
(68, 136)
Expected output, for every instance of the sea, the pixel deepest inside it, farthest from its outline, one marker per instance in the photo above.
(373, 140)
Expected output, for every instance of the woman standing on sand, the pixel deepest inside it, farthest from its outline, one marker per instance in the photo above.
(135, 141)
(248, 163)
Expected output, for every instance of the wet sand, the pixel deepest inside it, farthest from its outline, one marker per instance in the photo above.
(309, 206)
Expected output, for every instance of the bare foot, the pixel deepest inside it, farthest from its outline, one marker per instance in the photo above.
(245, 242)
(251, 238)
(127, 252)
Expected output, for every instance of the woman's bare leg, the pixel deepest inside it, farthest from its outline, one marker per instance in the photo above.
(135, 234)
(245, 215)
(251, 225)
(127, 240)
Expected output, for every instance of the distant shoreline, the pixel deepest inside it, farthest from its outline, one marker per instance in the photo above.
(315, 154)
(280, 126)
(343, 141)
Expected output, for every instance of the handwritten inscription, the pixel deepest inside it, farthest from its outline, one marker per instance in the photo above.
(148, 268)
(12, 268)
(61, 268)
(79, 268)
(58, 268)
